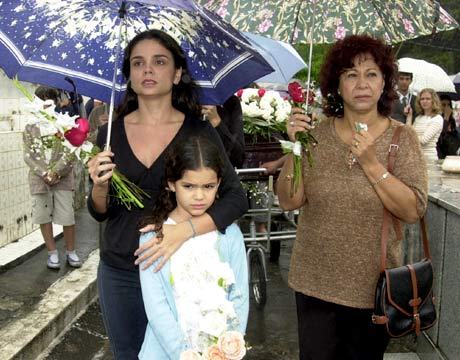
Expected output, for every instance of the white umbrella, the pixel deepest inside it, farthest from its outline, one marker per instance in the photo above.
(426, 75)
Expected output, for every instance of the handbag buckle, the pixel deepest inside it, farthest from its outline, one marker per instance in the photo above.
(376, 319)
(393, 146)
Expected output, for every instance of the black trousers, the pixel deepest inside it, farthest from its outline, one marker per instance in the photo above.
(329, 331)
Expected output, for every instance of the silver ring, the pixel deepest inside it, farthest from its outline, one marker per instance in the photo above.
(356, 144)
(291, 123)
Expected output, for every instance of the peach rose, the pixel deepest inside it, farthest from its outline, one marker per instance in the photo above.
(214, 353)
(232, 345)
(190, 355)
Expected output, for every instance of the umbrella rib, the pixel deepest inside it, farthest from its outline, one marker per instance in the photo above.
(377, 9)
(228, 68)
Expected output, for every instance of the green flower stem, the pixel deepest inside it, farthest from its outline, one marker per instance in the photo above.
(126, 192)
(306, 139)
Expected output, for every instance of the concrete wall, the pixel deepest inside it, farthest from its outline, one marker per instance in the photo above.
(15, 204)
(443, 222)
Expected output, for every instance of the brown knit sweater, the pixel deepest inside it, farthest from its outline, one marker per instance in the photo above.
(337, 250)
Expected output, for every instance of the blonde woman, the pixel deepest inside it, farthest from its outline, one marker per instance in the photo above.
(428, 124)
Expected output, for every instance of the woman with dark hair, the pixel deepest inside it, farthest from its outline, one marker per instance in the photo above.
(335, 259)
(194, 170)
(449, 140)
(160, 109)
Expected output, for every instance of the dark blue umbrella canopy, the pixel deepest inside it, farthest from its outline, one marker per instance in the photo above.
(44, 41)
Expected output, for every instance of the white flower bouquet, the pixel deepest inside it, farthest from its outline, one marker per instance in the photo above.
(211, 316)
(70, 133)
(264, 112)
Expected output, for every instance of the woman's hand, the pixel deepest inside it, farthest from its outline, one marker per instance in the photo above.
(298, 121)
(362, 146)
(154, 249)
(210, 113)
(100, 168)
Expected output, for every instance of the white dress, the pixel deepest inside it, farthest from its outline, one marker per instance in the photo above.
(428, 129)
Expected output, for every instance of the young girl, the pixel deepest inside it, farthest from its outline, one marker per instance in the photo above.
(203, 289)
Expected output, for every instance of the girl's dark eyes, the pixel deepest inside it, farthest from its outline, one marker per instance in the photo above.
(207, 186)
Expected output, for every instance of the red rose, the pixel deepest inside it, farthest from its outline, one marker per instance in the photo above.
(261, 92)
(239, 93)
(83, 125)
(77, 135)
(297, 92)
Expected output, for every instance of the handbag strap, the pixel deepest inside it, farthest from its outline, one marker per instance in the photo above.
(393, 150)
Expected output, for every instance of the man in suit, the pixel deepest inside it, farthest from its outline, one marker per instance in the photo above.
(405, 104)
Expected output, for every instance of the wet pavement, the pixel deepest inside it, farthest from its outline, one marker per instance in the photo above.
(23, 286)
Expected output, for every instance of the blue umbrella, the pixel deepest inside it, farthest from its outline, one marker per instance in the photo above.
(281, 56)
(48, 40)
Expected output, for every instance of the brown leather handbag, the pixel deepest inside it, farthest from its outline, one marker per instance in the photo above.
(404, 300)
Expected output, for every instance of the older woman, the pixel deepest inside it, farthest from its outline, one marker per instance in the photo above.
(428, 125)
(335, 260)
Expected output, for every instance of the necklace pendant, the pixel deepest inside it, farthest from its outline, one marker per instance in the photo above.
(352, 159)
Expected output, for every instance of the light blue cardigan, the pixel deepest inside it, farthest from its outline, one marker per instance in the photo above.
(164, 339)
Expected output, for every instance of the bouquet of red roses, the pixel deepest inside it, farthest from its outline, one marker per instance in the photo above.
(304, 139)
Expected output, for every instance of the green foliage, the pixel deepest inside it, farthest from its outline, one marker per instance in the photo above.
(319, 52)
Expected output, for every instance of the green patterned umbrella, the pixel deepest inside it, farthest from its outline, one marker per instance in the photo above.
(292, 20)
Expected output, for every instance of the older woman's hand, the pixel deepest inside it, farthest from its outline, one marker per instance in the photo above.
(156, 248)
(100, 168)
(362, 146)
(298, 121)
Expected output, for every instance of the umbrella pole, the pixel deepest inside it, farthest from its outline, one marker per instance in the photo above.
(310, 56)
(122, 13)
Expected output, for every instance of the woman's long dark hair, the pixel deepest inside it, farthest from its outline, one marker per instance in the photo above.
(184, 94)
(192, 154)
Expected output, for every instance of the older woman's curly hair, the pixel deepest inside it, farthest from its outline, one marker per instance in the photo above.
(341, 56)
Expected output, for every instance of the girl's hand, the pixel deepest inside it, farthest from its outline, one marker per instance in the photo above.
(362, 146)
(100, 168)
(298, 121)
(154, 249)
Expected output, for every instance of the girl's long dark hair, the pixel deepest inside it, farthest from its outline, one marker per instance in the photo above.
(184, 95)
(192, 154)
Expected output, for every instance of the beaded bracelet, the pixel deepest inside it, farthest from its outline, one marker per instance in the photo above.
(193, 227)
(381, 178)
